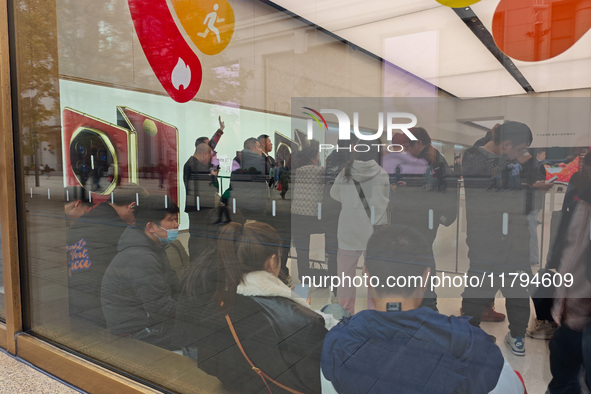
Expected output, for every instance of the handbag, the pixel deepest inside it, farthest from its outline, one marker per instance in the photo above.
(258, 371)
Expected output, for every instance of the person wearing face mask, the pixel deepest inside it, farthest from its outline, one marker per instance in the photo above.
(140, 289)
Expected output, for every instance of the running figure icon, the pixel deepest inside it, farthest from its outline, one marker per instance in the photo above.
(210, 21)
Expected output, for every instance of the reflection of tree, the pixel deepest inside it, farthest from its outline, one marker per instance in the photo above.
(225, 81)
(97, 44)
(37, 81)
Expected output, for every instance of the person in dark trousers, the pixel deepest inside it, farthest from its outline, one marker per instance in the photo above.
(285, 178)
(140, 290)
(91, 245)
(497, 231)
(570, 347)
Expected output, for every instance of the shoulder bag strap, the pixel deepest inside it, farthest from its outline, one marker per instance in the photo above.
(259, 372)
(363, 199)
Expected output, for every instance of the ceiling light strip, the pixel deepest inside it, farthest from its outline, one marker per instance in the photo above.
(349, 43)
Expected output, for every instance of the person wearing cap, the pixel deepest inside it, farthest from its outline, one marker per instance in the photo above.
(403, 346)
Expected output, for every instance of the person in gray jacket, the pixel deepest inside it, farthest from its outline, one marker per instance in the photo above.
(140, 289)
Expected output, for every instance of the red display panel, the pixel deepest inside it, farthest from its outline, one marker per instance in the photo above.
(97, 154)
(157, 151)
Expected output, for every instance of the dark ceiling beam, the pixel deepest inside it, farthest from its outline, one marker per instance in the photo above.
(481, 32)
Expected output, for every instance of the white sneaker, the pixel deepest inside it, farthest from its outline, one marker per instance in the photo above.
(517, 345)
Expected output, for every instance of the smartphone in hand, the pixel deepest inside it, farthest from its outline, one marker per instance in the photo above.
(302, 291)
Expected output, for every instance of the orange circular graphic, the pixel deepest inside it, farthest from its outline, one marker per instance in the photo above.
(209, 23)
(457, 3)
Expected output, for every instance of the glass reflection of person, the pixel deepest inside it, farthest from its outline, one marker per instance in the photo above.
(201, 195)
(308, 190)
(497, 230)
(423, 206)
(570, 347)
(139, 291)
(278, 330)
(362, 178)
(91, 245)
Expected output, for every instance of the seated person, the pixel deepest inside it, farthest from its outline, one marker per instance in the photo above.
(402, 346)
(140, 289)
(277, 329)
(91, 245)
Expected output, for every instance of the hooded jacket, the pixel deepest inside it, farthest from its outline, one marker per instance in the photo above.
(355, 227)
(139, 291)
(416, 351)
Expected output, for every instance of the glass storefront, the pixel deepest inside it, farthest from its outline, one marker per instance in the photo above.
(180, 159)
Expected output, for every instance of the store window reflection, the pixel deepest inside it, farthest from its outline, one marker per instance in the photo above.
(103, 142)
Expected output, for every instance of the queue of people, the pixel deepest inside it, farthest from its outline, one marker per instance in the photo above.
(234, 309)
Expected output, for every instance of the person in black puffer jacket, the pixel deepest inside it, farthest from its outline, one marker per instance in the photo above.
(279, 331)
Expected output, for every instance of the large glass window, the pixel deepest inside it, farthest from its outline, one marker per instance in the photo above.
(158, 138)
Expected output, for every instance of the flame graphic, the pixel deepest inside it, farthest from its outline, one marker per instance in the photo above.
(181, 75)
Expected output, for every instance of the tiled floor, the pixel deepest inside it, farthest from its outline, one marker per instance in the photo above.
(18, 377)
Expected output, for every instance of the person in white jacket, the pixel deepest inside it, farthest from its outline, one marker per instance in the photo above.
(361, 179)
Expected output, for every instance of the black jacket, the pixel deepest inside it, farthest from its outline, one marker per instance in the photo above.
(281, 337)
(198, 182)
(558, 245)
(91, 245)
(488, 213)
(249, 185)
(140, 290)
(412, 204)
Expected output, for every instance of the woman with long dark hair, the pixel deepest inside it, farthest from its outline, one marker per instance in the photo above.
(279, 332)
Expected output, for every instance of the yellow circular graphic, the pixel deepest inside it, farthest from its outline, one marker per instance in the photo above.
(457, 3)
(209, 23)
(150, 127)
